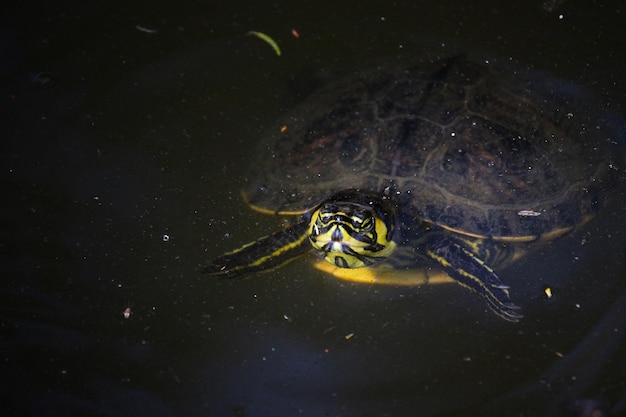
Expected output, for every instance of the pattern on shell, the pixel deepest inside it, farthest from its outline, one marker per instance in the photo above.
(453, 142)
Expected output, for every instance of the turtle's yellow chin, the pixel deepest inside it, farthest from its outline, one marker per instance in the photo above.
(346, 252)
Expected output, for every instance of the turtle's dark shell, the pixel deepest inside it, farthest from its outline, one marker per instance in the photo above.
(510, 156)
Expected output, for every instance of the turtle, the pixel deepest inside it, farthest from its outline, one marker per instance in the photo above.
(441, 170)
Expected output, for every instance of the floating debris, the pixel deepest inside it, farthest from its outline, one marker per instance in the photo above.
(146, 29)
(528, 213)
(267, 39)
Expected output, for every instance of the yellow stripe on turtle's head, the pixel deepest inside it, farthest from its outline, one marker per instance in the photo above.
(352, 232)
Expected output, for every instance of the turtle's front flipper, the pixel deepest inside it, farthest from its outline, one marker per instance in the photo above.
(266, 253)
(472, 272)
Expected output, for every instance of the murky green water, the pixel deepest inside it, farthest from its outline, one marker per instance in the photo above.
(129, 128)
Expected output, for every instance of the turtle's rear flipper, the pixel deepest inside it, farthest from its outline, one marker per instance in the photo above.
(264, 254)
(472, 272)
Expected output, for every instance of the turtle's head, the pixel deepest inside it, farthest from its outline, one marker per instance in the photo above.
(353, 230)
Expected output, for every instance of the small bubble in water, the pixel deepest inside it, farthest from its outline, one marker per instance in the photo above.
(166, 238)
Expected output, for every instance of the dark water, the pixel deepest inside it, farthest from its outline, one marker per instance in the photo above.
(127, 128)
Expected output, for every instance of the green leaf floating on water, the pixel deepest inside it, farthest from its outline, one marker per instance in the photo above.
(267, 39)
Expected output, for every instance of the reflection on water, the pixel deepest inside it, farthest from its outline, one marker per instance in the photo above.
(119, 136)
(588, 362)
